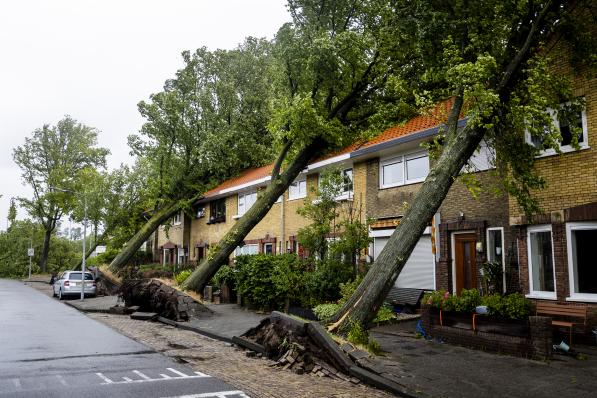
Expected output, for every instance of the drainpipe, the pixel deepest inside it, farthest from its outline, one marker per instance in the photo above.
(282, 226)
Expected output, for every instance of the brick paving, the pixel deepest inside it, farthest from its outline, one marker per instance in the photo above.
(255, 376)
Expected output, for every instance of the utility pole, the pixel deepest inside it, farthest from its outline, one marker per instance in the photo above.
(83, 265)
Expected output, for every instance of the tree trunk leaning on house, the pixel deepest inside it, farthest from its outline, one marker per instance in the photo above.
(279, 184)
(460, 145)
(158, 218)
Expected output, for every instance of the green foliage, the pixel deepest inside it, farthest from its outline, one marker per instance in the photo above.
(209, 123)
(103, 258)
(57, 157)
(182, 276)
(513, 306)
(225, 275)
(373, 346)
(266, 281)
(324, 284)
(14, 262)
(357, 334)
(384, 314)
(348, 288)
(324, 312)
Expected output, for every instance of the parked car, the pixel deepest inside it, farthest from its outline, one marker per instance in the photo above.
(69, 283)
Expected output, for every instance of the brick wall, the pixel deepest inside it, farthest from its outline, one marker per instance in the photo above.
(537, 344)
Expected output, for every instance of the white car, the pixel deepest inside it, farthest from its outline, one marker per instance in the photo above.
(69, 283)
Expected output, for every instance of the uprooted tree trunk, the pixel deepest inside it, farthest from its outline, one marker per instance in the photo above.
(157, 219)
(363, 305)
(279, 184)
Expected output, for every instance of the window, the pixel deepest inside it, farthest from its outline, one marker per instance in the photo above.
(246, 250)
(404, 169)
(495, 250)
(176, 219)
(217, 211)
(200, 212)
(268, 248)
(567, 131)
(297, 190)
(582, 269)
(541, 268)
(245, 201)
(347, 185)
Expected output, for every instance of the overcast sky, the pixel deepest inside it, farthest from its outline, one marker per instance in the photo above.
(95, 60)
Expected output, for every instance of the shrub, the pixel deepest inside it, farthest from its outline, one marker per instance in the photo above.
(324, 284)
(267, 281)
(182, 276)
(357, 334)
(513, 306)
(517, 306)
(325, 311)
(225, 275)
(385, 313)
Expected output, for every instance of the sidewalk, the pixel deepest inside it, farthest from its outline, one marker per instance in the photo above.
(428, 368)
(441, 370)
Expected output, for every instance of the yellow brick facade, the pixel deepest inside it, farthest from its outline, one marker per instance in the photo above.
(571, 177)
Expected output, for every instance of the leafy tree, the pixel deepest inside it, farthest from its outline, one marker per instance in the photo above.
(56, 157)
(334, 80)
(208, 124)
(493, 59)
(12, 212)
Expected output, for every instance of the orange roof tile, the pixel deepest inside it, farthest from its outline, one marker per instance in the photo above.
(433, 118)
(243, 178)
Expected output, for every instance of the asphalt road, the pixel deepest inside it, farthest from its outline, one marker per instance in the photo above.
(48, 349)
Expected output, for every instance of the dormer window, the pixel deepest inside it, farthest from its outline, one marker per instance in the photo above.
(572, 129)
(217, 211)
(245, 201)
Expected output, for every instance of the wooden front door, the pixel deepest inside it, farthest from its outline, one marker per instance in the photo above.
(465, 261)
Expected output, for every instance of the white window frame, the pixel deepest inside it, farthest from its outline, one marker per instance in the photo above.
(299, 194)
(176, 220)
(403, 159)
(242, 199)
(573, 296)
(503, 253)
(239, 249)
(538, 294)
(346, 194)
(566, 148)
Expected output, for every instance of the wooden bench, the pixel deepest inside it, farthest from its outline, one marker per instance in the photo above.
(567, 315)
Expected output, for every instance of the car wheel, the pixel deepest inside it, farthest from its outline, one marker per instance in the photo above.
(60, 296)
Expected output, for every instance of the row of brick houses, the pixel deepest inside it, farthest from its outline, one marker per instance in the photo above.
(546, 258)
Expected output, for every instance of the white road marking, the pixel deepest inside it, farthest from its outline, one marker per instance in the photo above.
(61, 380)
(104, 378)
(17, 383)
(143, 376)
(219, 394)
(177, 372)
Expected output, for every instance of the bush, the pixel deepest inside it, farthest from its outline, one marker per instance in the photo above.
(385, 314)
(182, 276)
(513, 306)
(357, 334)
(267, 281)
(324, 312)
(324, 284)
(225, 275)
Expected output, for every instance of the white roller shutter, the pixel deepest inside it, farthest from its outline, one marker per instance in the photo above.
(419, 271)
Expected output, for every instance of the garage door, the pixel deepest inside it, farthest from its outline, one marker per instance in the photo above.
(418, 273)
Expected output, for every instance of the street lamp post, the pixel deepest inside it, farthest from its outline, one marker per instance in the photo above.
(83, 264)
